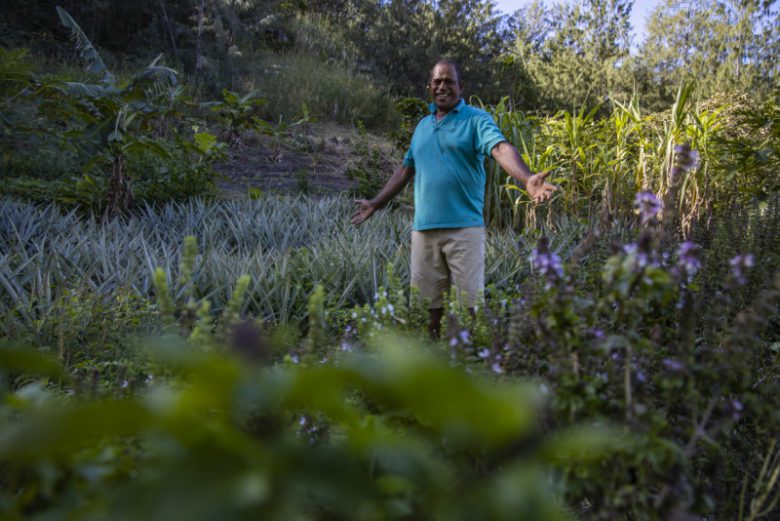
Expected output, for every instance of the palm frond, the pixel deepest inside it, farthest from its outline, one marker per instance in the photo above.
(85, 48)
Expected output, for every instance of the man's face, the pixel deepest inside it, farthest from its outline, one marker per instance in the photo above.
(445, 87)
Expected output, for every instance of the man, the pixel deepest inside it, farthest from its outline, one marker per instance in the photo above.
(446, 157)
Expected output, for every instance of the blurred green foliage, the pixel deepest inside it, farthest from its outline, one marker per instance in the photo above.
(387, 435)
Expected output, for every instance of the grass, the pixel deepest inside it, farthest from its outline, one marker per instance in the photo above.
(329, 90)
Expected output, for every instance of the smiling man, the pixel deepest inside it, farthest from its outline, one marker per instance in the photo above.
(446, 158)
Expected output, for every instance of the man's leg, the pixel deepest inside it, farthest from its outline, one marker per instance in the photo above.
(465, 254)
(430, 274)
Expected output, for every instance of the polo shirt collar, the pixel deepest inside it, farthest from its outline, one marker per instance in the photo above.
(456, 108)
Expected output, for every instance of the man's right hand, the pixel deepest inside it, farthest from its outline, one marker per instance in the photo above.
(367, 207)
(364, 211)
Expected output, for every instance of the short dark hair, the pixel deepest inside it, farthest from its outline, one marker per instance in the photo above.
(447, 61)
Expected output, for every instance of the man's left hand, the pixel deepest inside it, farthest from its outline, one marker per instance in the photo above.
(538, 189)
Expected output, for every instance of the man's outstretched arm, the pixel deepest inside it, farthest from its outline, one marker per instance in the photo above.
(396, 183)
(509, 159)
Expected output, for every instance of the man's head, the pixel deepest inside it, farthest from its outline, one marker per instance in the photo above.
(445, 85)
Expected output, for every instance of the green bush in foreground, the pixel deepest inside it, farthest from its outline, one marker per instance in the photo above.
(394, 434)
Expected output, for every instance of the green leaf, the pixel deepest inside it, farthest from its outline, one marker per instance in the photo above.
(87, 90)
(205, 141)
(54, 431)
(230, 97)
(584, 444)
(151, 82)
(252, 97)
(145, 145)
(85, 48)
(29, 362)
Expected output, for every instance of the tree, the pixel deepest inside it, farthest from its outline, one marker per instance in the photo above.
(575, 53)
(399, 40)
(475, 35)
(724, 45)
(399, 45)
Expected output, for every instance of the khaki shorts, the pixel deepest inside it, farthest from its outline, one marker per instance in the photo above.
(449, 256)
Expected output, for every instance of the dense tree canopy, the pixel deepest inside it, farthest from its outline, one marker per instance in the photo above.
(546, 56)
(724, 45)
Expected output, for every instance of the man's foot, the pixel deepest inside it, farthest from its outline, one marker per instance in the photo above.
(434, 326)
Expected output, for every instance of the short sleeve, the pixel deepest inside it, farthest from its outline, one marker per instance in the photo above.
(488, 134)
(408, 158)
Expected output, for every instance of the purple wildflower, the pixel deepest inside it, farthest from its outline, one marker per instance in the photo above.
(596, 333)
(688, 258)
(740, 265)
(459, 338)
(737, 407)
(673, 365)
(549, 265)
(649, 206)
(641, 258)
(686, 158)
(641, 254)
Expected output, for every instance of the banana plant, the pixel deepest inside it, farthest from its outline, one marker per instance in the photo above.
(238, 114)
(110, 121)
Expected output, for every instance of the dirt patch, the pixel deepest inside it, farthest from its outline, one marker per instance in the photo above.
(313, 159)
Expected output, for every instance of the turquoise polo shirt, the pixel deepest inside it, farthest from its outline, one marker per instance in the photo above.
(448, 157)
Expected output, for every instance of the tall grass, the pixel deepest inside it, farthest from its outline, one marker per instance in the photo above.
(329, 89)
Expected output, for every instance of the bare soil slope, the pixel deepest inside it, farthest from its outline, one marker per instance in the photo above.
(312, 158)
